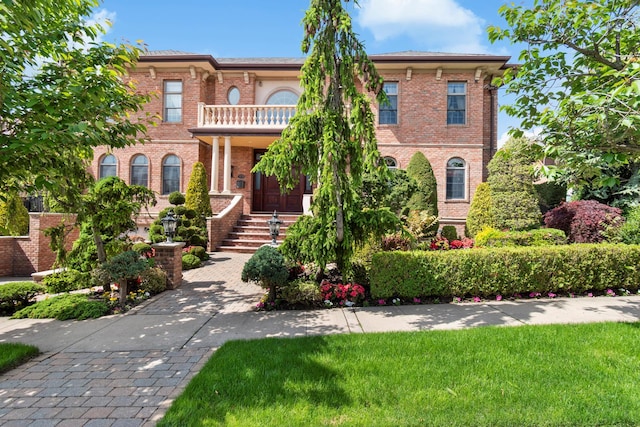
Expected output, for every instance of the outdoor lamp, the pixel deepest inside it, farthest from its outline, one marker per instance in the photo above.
(169, 224)
(274, 227)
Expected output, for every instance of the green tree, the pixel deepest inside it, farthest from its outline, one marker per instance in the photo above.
(515, 202)
(197, 197)
(481, 211)
(14, 217)
(329, 142)
(108, 210)
(579, 80)
(425, 198)
(62, 93)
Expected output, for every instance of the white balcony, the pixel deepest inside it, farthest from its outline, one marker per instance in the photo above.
(244, 116)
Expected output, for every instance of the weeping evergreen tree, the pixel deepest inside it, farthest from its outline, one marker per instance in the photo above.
(330, 143)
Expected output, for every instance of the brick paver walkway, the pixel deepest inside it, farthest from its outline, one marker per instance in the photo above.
(125, 388)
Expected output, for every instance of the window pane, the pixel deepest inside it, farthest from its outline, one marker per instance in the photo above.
(173, 115)
(170, 174)
(173, 101)
(455, 183)
(107, 170)
(139, 175)
(388, 114)
(456, 102)
(170, 86)
(457, 88)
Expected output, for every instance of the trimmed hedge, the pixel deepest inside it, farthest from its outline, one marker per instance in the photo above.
(486, 272)
(539, 237)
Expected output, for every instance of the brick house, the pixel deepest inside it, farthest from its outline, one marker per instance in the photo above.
(225, 113)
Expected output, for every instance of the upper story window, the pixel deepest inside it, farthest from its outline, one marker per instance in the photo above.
(456, 179)
(108, 165)
(170, 174)
(283, 97)
(389, 110)
(140, 170)
(391, 162)
(172, 101)
(233, 96)
(456, 103)
(279, 116)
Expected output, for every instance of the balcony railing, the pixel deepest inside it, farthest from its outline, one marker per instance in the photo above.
(245, 116)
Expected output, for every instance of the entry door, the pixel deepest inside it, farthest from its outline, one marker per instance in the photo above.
(267, 196)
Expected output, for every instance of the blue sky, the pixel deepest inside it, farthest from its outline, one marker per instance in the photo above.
(255, 28)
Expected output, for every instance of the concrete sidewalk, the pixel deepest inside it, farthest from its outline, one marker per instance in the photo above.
(125, 370)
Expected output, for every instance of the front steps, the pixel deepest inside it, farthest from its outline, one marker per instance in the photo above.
(252, 231)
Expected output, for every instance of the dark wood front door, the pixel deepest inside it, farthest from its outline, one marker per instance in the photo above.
(267, 196)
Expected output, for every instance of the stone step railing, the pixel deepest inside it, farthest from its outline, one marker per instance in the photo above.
(245, 116)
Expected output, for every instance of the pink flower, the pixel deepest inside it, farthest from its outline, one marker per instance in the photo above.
(551, 295)
(589, 294)
(534, 294)
(498, 297)
(416, 300)
(381, 302)
(611, 293)
(458, 299)
(476, 299)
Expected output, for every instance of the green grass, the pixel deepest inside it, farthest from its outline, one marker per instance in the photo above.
(576, 375)
(13, 354)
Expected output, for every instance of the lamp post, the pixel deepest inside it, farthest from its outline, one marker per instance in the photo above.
(169, 224)
(274, 227)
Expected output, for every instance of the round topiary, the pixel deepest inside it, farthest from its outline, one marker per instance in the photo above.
(200, 252)
(153, 280)
(267, 267)
(198, 240)
(176, 198)
(179, 210)
(449, 232)
(190, 261)
(190, 213)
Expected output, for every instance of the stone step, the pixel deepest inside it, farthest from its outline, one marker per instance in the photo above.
(252, 231)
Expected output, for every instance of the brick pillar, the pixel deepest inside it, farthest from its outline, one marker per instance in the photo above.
(169, 257)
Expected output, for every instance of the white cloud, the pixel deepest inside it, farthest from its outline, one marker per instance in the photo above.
(533, 134)
(438, 25)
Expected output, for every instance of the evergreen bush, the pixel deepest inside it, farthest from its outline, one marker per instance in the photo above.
(66, 281)
(449, 232)
(176, 198)
(197, 197)
(16, 295)
(425, 198)
(481, 211)
(629, 232)
(190, 261)
(267, 267)
(514, 199)
(490, 237)
(14, 217)
(153, 280)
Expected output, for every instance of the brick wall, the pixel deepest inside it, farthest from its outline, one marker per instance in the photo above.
(221, 225)
(21, 256)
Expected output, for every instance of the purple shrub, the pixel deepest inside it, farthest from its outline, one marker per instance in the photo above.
(583, 221)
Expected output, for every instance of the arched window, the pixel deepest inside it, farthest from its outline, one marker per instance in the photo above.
(390, 162)
(108, 166)
(170, 174)
(456, 179)
(140, 170)
(277, 115)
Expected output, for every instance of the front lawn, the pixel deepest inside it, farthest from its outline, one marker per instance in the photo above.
(558, 375)
(13, 354)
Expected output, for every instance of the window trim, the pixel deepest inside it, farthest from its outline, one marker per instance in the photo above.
(466, 103)
(465, 189)
(395, 162)
(396, 110)
(178, 166)
(101, 165)
(165, 109)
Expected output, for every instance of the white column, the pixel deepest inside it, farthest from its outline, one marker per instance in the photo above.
(215, 163)
(227, 165)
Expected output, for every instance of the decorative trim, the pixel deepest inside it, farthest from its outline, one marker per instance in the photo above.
(192, 70)
(409, 72)
(438, 73)
(478, 74)
(246, 77)
(152, 72)
(220, 80)
(205, 76)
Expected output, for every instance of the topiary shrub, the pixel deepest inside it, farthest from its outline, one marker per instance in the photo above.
(514, 199)
(449, 232)
(584, 221)
(153, 280)
(481, 211)
(176, 198)
(197, 197)
(16, 295)
(67, 280)
(190, 261)
(199, 251)
(14, 217)
(122, 268)
(490, 237)
(267, 267)
(142, 249)
(425, 198)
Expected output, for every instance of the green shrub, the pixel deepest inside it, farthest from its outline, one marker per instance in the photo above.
(176, 198)
(16, 295)
(66, 281)
(190, 261)
(153, 280)
(629, 232)
(550, 195)
(301, 292)
(449, 232)
(190, 214)
(267, 267)
(64, 307)
(514, 199)
(576, 269)
(142, 249)
(197, 197)
(490, 237)
(179, 210)
(14, 217)
(425, 198)
(200, 252)
(481, 211)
